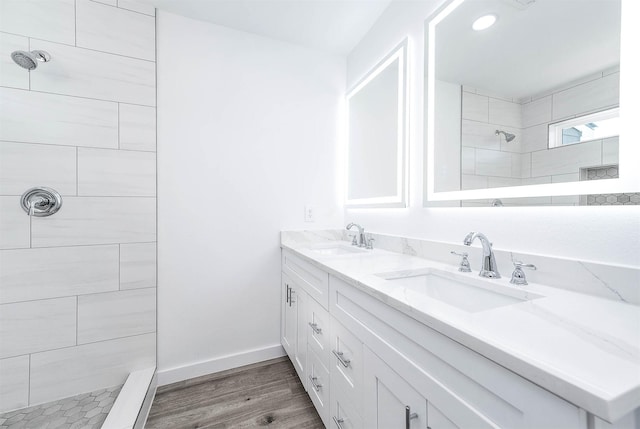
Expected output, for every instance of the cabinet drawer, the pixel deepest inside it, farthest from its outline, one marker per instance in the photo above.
(319, 328)
(343, 412)
(346, 364)
(318, 386)
(314, 280)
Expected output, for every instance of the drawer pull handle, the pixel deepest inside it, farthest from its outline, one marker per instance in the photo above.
(315, 385)
(315, 328)
(343, 361)
(291, 292)
(408, 416)
(338, 422)
(288, 294)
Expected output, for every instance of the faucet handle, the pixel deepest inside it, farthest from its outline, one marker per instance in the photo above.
(518, 277)
(464, 267)
(354, 239)
(370, 241)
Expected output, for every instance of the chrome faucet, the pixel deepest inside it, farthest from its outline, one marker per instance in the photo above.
(361, 241)
(489, 266)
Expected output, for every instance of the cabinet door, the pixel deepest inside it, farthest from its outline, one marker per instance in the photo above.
(389, 401)
(301, 305)
(437, 420)
(288, 322)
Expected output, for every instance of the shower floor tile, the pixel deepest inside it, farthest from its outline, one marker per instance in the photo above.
(86, 411)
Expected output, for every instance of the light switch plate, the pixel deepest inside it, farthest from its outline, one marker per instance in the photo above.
(309, 213)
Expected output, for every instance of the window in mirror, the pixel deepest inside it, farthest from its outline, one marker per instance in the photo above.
(585, 128)
(376, 146)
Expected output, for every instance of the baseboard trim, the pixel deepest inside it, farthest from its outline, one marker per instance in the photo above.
(222, 363)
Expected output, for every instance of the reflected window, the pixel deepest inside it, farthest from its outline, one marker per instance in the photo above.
(585, 128)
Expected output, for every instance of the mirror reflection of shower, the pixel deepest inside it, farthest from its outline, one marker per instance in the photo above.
(507, 136)
(29, 60)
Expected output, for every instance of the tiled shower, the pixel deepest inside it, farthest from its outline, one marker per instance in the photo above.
(77, 288)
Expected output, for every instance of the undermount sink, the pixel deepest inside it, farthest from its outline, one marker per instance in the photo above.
(337, 249)
(470, 295)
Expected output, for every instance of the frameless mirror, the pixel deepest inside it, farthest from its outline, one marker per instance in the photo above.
(376, 109)
(524, 94)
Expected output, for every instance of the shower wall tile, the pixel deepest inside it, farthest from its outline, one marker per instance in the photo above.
(505, 113)
(137, 265)
(24, 166)
(588, 97)
(105, 172)
(137, 127)
(93, 74)
(479, 135)
(34, 117)
(110, 315)
(118, 31)
(610, 151)
(535, 138)
(68, 271)
(536, 112)
(137, 6)
(33, 326)
(475, 107)
(14, 388)
(565, 160)
(10, 74)
(65, 372)
(493, 163)
(109, 2)
(49, 20)
(101, 220)
(14, 224)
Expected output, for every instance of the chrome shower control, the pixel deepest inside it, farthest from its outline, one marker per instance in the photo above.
(41, 201)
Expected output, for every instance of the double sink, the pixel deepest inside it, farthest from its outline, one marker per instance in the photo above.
(464, 291)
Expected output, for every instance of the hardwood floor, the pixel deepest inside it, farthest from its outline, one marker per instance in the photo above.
(266, 394)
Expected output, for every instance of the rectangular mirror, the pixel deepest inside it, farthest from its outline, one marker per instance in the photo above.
(376, 148)
(523, 100)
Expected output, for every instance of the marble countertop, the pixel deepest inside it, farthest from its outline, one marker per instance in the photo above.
(584, 349)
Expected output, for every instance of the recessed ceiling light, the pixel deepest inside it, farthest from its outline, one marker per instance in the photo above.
(484, 22)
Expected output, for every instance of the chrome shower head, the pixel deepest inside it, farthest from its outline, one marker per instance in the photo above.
(29, 60)
(507, 136)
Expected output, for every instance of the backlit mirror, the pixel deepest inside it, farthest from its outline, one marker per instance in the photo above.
(376, 175)
(524, 96)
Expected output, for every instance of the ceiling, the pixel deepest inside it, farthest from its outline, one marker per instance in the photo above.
(334, 26)
(530, 49)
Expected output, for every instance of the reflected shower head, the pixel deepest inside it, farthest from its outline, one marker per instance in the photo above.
(507, 136)
(29, 60)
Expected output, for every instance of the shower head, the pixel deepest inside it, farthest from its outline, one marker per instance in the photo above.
(29, 60)
(507, 136)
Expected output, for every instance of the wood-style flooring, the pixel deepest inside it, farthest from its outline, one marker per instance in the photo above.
(266, 394)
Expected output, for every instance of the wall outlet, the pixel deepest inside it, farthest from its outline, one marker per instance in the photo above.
(309, 213)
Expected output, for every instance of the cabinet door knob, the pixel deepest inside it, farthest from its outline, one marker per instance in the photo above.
(315, 328)
(315, 384)
(340, 356)
(408, 416)
(338, 422)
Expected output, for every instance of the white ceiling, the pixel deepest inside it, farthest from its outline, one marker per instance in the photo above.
(334, 26)
(528, 50)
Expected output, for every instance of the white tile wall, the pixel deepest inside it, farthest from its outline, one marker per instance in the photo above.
(468, 160)
(535, 138)
(49, 20)
(14, 388)
(610, 151)
(33, 326)
(118, 314)
(105, 172)
(87, 73)
(480, 135)
(137, 6)
(84, 120)
(65, 372)
(587, 97)
(470, 181)
(14, 224)
(536, 112)
(100, 27)
(137, 265)
(34, 117)
(497, 182)
(137, 127)
(505, 113)
(24, 166)
(10, 75)
(29, 274)
(475, 107)
(493, 163)
(94, 220)
(567, 159)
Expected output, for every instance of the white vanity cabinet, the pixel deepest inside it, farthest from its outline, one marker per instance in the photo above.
(363, 362)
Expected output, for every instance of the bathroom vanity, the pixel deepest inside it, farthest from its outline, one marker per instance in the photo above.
(388, 340)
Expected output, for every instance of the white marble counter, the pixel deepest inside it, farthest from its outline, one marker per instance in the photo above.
(583, 348)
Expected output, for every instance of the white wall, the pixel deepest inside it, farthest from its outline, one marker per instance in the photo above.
(606, 234)
(247, 135)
